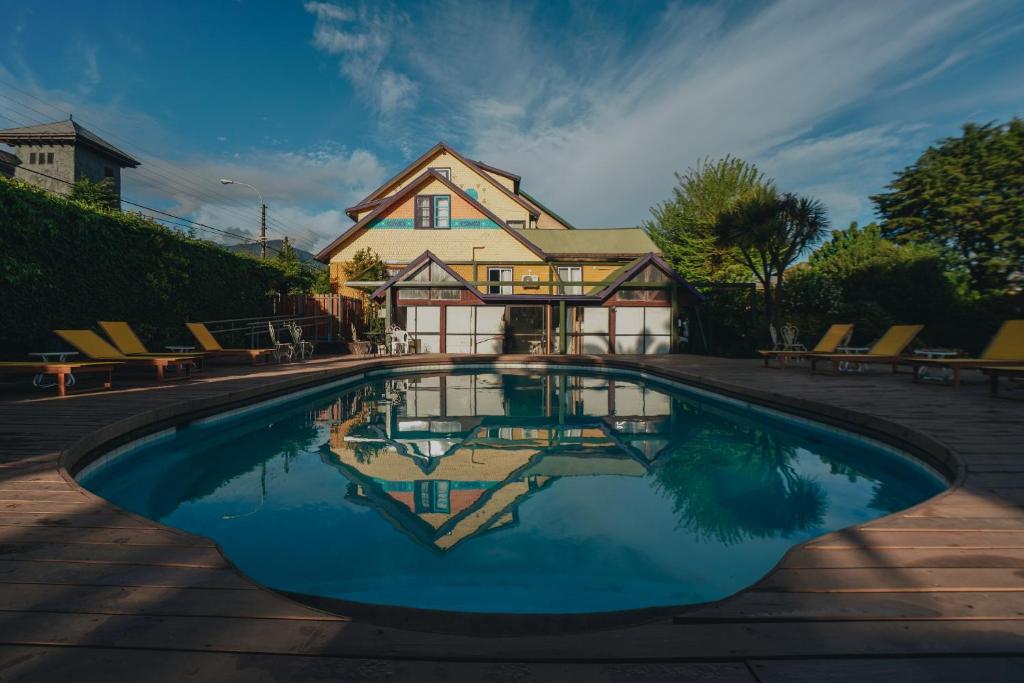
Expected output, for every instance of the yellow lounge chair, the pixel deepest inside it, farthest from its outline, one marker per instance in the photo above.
(888, 349)
(94, 346)
(128, 343)
(834, 336)
(1005, 349)
(60, 370)
(212, 347)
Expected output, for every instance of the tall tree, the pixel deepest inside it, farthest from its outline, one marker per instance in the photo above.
(966, 196)
(683, 227)
(768, 232)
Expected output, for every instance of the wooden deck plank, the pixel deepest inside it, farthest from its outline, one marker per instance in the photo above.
(944, 579)
(95, 665)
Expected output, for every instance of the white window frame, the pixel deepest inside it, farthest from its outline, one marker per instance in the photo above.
(565, 274)
(503, 274)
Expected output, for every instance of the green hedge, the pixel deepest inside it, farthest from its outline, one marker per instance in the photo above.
(65, 265)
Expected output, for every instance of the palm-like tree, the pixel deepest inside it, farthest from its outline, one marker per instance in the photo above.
(770, 231)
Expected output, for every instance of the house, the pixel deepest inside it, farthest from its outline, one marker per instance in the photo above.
(480, 266)
(8, 162)
(54, 155)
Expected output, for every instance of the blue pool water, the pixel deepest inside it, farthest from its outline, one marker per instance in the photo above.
(536, 492)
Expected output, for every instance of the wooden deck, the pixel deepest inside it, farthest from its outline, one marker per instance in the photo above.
(933, 593)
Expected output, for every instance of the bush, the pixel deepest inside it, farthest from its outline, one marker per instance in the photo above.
(863, 278)
(66, 265)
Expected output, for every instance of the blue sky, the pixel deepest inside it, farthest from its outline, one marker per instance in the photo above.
(595, 105)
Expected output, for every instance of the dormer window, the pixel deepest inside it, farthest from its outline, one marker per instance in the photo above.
(446, 172)
(433, 211)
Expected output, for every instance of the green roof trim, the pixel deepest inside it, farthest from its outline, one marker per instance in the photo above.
(597, 241)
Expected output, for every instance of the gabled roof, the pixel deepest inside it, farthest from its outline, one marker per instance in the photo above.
(421, 260)
(608, 241)
(507, 174)
(441, 146)
(613, 282)
(67, 132)
(638, 265)
(411, 188)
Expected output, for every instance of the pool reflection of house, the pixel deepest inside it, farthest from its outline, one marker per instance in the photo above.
(448, 458)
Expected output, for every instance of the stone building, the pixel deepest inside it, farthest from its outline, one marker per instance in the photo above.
(53, 155)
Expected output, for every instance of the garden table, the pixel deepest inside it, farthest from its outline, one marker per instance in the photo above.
(853, 367)
(47, 357)
(924, 373)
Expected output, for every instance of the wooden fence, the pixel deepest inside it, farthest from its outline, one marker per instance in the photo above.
(326, 317)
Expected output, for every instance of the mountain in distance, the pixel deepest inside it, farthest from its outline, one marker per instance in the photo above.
(273, 248)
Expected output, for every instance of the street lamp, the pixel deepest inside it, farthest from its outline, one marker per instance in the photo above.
(263, 213)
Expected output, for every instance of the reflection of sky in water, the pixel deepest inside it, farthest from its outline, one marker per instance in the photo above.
(512, 493)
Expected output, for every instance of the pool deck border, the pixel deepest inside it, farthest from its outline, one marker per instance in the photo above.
(943, 580)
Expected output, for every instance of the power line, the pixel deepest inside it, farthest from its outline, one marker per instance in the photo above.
(223, 200)
(144, 171)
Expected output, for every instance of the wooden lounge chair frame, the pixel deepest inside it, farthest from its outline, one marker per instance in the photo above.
(212, 347)
(995, 372)
(60, 371)
(836, 335)
(95, 347)
(1006, 349)
(887, 350)
(127, 342)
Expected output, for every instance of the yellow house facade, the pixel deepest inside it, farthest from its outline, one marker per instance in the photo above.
(460, 236)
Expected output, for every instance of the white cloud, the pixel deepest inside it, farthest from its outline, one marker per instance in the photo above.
(596, 121)
(362, 41)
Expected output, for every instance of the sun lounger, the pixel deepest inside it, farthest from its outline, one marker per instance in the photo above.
(94, 346)
(834, 336)
(888, 350)
(128, 343)
(1005, 349)
(60, 371)
(212, 347)
(1007, 371)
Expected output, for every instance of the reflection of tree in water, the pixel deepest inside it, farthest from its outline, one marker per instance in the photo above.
(730, 482)
(358, 410)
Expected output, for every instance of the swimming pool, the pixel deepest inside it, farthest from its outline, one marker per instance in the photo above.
(532, 491)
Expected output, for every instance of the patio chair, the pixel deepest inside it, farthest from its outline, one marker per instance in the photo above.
(96, 348)
(1006, 348)
(127, 342)
(212, 348)
(304, 348)
(888, 350)
(398, 340)
(60, 370)
(834, 337)
(790, 342)
(280, 348)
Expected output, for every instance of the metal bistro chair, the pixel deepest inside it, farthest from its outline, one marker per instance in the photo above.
(304, 348)
(280, 348)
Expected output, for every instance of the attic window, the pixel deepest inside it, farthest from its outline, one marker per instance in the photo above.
(446, 172)
(518, 225)
(49, 158)
(32, 158)
(433, 211)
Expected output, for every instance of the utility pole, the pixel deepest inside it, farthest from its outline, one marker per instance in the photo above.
(263, 230)
(263, 214)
